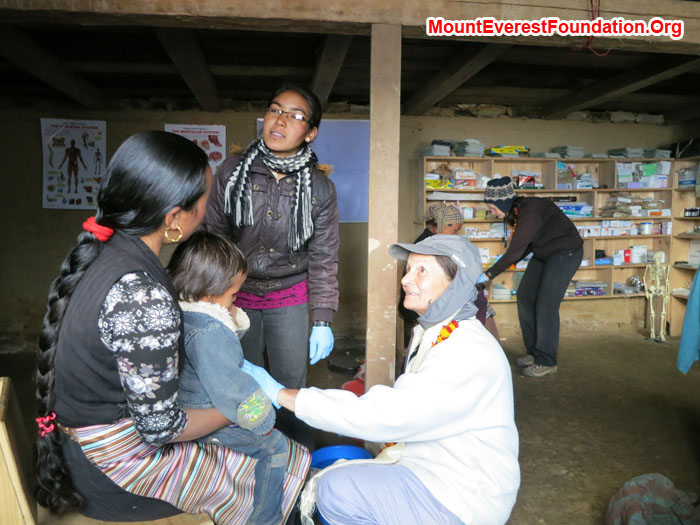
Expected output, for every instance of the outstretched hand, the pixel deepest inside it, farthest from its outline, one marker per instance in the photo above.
(270, 387)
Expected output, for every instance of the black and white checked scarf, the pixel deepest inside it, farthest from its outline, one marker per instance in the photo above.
(238, 196)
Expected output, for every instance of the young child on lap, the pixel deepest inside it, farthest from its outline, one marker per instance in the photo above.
(207, 271)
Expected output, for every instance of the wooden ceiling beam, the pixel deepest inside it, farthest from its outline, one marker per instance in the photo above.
(27, 55)
(460, 69)
(685, 113)
(649, 73)
(321, 16)
(134, 68)
(184, 50)
(330, 60)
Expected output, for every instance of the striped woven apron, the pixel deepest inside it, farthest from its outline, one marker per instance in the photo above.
(194, 477)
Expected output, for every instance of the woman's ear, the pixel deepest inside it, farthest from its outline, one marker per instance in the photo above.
(171, 218)
(311, 135)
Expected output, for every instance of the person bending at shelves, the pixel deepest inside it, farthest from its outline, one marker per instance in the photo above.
(540, 228)
(447, 220)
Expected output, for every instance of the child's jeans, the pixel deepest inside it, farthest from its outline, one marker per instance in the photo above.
(271, 451)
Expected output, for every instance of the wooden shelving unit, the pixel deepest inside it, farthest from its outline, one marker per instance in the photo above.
(682, 275)
(605, 172)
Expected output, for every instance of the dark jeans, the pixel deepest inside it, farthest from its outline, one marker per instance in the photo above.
(271, 451)
(284, 332)
(539, 295)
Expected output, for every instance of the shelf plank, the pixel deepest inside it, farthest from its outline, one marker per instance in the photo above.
(692, 236)
(681, 297)
(685, 266)
(581, 298)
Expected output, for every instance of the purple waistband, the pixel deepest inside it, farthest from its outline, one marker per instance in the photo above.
(292, 296)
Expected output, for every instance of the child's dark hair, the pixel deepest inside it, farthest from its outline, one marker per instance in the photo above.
(205, 265)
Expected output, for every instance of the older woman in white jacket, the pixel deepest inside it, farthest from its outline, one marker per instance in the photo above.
(450, 413)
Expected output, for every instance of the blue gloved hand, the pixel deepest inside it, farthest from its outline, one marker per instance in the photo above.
(270, 387)
(320, 343)
(482, 279)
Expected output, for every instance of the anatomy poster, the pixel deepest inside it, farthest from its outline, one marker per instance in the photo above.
(74, 162)
(212, 139)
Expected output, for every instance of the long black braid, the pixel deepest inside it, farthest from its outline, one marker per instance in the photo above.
(150, 174)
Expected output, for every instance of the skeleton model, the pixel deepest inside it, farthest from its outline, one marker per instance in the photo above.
(656, 285)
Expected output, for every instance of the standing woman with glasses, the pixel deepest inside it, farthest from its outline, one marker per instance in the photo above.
(281, 211)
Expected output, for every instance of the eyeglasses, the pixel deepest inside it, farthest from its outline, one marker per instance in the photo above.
(287, 114)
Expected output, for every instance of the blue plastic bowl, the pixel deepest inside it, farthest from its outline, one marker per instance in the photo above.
(326, 456)
(323, 457)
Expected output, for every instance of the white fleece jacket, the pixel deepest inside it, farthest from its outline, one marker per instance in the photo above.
(454, 412)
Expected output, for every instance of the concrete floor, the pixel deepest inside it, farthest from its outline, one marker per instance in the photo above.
(617, 408)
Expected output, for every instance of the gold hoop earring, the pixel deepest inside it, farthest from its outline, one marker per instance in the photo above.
(179, 234)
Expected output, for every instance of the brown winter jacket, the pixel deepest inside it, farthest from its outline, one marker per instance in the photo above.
(271, 266)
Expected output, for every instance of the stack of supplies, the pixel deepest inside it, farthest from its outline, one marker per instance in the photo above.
(469, 148)
(526, 179)
(545, 155)
(500, 292)
(575, 210)
(630, 153)
(510, 151)
(596, 155)
(438, 148)
(643, 174)
(586, 287)
(630, 205)
(572, 177)
(569, 151)
(440, 178)
(464, 178)
(652, 153)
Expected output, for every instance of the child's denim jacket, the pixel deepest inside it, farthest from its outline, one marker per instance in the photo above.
(212, 375)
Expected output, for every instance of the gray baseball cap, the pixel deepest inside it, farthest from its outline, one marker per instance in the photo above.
(461, 293)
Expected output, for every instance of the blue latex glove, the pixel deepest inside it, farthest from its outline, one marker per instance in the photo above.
(320, 343)
(270, 387)
(482, 279)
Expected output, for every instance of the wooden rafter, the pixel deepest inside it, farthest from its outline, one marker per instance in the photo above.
(645, 75)
(685, 113)
(184, 50)
(460, 69)
(27, 55)
(330, 60)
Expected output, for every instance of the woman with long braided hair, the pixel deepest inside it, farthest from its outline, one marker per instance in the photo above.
(113, 440)
(281, 210)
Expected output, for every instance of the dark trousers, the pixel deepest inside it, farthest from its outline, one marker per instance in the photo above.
(284, 334)
(539, 295)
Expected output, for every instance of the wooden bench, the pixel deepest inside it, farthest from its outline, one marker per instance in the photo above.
(17, 504)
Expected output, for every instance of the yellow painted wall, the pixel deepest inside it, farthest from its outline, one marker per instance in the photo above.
(34, 240)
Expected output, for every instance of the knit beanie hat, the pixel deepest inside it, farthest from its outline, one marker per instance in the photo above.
(500, 193)
(444, 214)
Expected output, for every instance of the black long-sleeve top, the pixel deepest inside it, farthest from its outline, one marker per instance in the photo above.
(541, 228)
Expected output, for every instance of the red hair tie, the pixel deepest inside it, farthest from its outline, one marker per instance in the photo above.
(45, 425)
(103, 233)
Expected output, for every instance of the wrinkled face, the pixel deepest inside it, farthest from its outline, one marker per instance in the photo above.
(284, 135)
(424, 282)
(495, 210)
(229, 296)
(451, 229)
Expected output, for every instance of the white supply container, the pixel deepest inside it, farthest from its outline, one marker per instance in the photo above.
(645, 228)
